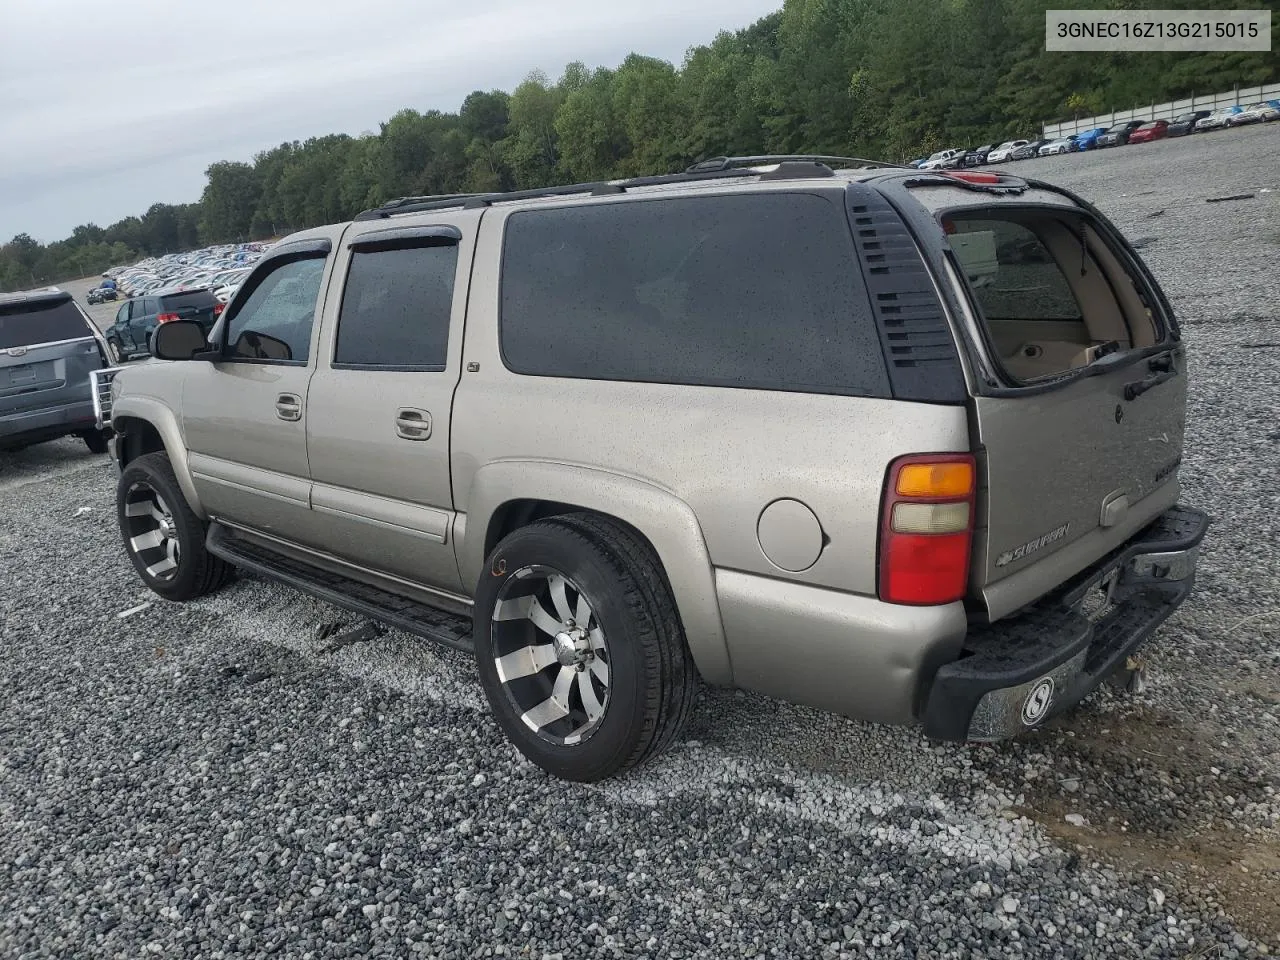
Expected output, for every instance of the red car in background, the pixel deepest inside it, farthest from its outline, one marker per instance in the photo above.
(1155, 130)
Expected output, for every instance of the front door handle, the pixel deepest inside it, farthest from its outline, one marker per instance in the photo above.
(289, 406)
(413, 424)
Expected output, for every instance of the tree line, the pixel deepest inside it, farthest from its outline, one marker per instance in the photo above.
(888, 79)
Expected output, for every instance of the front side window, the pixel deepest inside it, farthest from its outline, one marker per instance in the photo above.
(396, 307)
(754, 290)
(274, 321)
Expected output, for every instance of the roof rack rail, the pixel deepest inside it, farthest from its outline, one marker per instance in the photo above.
(729, 163)
(401, 201)
(721, 168)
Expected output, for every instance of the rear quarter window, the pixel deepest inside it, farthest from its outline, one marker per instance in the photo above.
(753, 291)
(25, 324)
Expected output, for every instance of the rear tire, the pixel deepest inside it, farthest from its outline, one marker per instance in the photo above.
(96, 441)
(583, 701)
(162, 535)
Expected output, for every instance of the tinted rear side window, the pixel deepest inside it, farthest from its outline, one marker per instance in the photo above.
(199, 299)
(760, 291)
(396, 307)
(22, 325)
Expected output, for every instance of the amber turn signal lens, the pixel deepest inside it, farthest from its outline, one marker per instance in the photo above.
(935, 480)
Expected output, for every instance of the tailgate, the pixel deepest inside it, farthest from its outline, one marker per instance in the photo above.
(45, 375)
(199, 305)
(1070, 475)
(1080, 443)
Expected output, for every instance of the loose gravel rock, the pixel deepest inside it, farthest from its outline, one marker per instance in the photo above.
(211, 779)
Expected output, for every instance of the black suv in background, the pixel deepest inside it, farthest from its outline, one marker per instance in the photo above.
(130, 335)
(48, 347)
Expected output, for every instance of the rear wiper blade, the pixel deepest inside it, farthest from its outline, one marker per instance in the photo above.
(1163, 370)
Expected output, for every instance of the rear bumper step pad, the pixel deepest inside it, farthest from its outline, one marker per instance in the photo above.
(379, 605)
(1015, 674)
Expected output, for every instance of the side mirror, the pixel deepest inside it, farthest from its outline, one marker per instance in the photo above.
(179, 340)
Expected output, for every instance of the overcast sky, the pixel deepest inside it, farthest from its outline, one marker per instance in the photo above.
(107, 106)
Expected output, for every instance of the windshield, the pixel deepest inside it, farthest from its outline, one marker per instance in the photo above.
(25, 324)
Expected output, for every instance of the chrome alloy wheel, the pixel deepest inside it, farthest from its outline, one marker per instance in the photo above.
(551, 655)
(152, 531)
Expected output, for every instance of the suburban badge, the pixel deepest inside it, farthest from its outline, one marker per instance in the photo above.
(1031, 546)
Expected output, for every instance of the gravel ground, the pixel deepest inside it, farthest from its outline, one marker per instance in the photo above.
(208, 780)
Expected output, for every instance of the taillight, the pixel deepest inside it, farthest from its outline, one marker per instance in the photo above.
(166, 317)
(926, 528)
(218, 308)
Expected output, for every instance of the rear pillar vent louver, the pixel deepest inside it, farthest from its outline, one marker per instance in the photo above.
(918, 345)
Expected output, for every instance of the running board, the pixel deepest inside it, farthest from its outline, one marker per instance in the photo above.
(445, 628)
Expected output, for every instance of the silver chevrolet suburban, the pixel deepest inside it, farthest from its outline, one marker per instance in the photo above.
(901, 445)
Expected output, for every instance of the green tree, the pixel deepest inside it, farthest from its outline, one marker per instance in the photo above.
(228, 202)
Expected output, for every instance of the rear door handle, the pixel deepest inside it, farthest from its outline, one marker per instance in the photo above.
(413, 424)
(289, 406)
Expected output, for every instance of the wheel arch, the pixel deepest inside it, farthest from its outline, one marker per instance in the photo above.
(509, 494)
(145, 425)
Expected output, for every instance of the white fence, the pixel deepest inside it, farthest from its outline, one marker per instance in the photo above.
(1166, 111)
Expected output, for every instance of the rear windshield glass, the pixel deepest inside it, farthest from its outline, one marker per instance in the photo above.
(1053, 295)
(759, 291)
(199, 299)
(24, 324)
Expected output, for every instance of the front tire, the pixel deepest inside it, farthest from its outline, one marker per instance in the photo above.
(580, 648)
(115, 351)
(162, 536)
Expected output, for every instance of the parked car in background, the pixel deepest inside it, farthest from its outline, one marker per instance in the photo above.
(102, 294)
(1061, 145)
(936, 161)
(1117, 135)
(977, 157)
(1089, 139)
(1216, 121)
(1185, 123)
(1028, 150)
(916, 162)
(207, 267)
(1005, 151)
(1258, 113)
(1151, 130)
(136, 321)
(48, 347)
